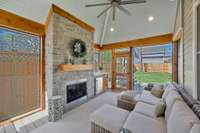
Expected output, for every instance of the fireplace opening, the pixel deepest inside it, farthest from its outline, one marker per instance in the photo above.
(76, 91)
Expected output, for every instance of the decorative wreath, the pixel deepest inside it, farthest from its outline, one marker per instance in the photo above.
(79, 48)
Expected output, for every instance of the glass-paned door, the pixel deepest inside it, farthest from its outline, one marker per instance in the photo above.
(122, 70)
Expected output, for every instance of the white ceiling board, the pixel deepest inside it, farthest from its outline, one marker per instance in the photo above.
(138, 26)
(126, 28)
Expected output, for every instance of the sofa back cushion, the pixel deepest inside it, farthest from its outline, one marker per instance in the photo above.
(181, 119)
(170, 100)
(167, 89)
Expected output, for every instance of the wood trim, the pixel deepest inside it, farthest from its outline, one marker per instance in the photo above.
(69, 67)
(177, 36)
(175, 62)
(131, 85)
(128, 75)
(12, 21)
(19, 117)
(113, 70)
(48, 19)
(149, 41)
(65, 14)
(97, 47)
(42, 73)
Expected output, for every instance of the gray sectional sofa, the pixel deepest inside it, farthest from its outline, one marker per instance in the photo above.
(181, 115)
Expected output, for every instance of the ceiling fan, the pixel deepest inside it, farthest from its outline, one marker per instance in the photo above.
(116, 4)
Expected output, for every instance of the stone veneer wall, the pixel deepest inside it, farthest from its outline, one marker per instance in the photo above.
(59, 35)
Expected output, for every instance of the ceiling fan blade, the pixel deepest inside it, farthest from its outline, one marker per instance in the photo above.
(124, 10)
(100, 4)
(104, 11)
(132, 2)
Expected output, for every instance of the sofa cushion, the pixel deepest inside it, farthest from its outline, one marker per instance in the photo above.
(110, 118)
(145, 109)
(170, 100)
(195, 128)
(138, 123)
(147, 97)
(166, 85)
(167, 90)
(181, 119)
(152, 111)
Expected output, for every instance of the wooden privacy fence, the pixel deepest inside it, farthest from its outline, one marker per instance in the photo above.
(162, 67)
(19, 84)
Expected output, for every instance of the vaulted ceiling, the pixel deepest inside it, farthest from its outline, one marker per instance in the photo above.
(126, 27)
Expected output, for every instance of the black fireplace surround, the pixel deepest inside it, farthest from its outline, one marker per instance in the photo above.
(76, 91)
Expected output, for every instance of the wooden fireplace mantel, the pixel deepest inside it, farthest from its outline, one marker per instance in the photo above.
(76, 67)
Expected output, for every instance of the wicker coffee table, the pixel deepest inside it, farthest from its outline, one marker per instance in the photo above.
(126, 100)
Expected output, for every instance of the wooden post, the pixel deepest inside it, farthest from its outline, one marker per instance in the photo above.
(175, 62)
(131, 82)
(113, 70)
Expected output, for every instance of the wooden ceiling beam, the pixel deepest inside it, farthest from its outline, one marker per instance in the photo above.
(149, 41)
(12, 21)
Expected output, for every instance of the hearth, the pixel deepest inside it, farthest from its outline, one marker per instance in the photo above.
(76, 91)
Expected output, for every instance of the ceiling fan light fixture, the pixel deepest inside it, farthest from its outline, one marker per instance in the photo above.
(151, 18)
(112, 29)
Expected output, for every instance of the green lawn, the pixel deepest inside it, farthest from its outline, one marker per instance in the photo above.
(153, 77)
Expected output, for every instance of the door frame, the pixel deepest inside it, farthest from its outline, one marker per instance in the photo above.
(128, 54)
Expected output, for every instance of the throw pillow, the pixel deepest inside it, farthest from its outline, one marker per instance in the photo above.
(157, 91)
(160, 109)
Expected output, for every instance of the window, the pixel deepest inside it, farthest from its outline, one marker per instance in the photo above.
(19, 73)
(107, 65)
(153, 64)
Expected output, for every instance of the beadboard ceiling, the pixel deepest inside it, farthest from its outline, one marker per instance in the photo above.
(126, 27)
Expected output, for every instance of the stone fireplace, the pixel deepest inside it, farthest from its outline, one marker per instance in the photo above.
(59, 35)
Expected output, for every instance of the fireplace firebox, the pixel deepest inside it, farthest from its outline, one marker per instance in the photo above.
(76, 91)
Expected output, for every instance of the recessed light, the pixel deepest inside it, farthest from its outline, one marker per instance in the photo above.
(171, 0)
(151, 18)
(112, 29)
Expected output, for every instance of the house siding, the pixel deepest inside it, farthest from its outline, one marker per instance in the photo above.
(184, 19)
(187, 46)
